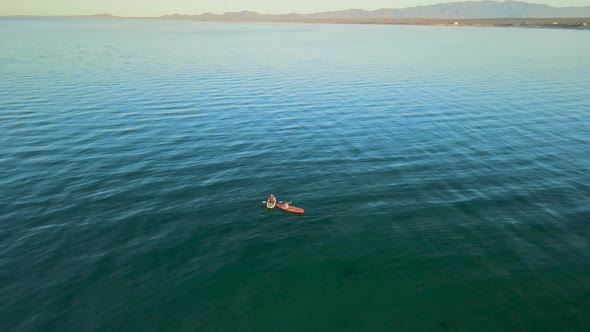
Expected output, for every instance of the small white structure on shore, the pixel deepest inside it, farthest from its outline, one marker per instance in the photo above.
(456, 23)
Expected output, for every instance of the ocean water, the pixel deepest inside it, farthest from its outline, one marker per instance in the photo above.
(444, 173)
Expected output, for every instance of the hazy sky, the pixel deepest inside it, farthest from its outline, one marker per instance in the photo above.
(161, 7)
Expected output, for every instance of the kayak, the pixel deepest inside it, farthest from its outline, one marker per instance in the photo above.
(290, 208)
(271, 204)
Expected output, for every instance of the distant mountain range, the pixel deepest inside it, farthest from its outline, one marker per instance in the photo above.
(485, 9)
(454, 10)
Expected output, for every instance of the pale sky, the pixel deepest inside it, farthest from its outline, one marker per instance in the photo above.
(163, 7)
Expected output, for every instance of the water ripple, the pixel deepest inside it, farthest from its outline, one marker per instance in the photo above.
(132, 171)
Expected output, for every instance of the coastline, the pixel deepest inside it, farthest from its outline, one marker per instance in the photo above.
(551, 23)
(577, 23)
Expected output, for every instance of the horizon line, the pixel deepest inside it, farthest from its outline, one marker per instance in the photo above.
(285, 13)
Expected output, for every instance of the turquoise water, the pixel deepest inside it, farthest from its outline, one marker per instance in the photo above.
(445, 175)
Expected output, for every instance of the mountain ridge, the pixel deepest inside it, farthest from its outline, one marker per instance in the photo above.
(452, 10)
(466, 10)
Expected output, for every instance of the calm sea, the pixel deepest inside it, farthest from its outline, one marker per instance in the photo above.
(444, 173)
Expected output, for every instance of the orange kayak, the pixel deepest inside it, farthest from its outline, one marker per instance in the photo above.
(290, 208)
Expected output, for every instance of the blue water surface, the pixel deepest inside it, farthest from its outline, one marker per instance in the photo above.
(444, 173)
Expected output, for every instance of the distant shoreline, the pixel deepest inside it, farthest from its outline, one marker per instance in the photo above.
(581, 23)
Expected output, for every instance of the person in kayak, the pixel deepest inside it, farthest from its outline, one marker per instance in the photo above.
(271, 199)
(286, 205)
